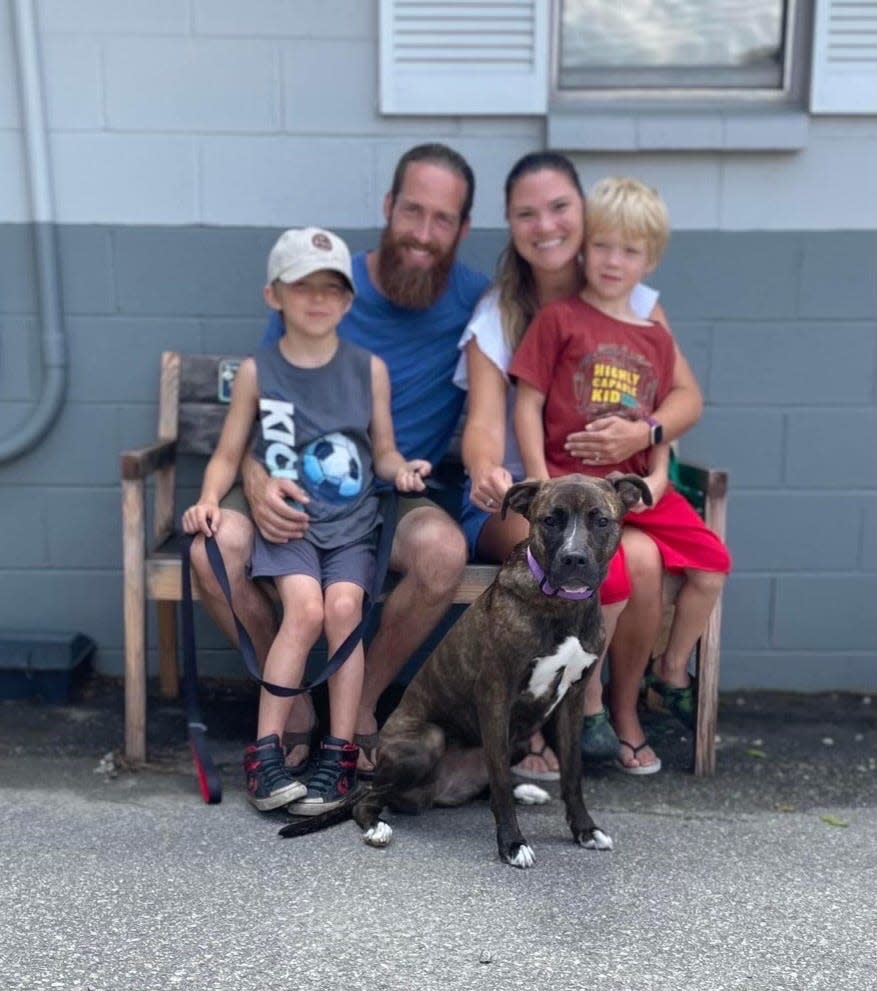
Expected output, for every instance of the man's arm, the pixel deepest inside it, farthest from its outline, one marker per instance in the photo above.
(276, 519)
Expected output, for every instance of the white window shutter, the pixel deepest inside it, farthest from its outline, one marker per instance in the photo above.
(463, 57)
(844, 73)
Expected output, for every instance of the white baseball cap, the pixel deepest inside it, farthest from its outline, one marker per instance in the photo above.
(301, 251)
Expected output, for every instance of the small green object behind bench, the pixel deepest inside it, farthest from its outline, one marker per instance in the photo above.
(193, 397)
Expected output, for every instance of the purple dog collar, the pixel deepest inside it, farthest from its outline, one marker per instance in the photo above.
(560, 593)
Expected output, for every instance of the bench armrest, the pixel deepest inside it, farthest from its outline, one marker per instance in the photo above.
(707, 490)
(139, 462)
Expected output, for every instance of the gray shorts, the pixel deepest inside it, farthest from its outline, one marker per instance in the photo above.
(351, 563)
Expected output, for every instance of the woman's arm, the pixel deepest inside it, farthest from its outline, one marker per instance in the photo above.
(484, 433)
(529, 429)
(683, 405)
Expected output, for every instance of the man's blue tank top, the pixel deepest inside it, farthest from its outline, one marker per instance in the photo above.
(420, 349)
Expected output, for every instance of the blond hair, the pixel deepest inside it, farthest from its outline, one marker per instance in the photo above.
(628, 205)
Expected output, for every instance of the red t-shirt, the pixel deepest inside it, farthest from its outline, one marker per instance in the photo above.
(588, 365)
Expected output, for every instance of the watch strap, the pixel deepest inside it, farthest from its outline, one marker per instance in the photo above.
(656, 431)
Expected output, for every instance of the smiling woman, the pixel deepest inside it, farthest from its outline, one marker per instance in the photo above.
(684, 44)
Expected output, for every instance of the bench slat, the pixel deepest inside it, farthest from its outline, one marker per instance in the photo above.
(163, 582)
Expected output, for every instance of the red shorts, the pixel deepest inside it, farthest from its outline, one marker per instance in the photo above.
(683, 540)
(616, 584)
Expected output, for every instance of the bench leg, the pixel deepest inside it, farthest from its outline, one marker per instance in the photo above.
(168, 672)
(134, 554)
(708, 695)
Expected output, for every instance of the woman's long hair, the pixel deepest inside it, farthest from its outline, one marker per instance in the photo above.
(518, 298)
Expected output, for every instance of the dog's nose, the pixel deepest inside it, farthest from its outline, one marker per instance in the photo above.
(573, 559)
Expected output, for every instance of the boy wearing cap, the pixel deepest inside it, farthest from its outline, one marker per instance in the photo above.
(323, 410)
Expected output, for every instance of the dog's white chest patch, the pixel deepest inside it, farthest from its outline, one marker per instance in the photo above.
(571, 659)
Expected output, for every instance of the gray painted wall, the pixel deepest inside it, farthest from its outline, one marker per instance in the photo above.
(778, 326)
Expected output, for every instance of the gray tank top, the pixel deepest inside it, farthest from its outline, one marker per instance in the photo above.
(313, 428)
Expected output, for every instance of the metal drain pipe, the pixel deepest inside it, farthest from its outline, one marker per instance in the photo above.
(54, 345)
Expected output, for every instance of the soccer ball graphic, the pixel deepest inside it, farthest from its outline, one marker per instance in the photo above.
(331, 469)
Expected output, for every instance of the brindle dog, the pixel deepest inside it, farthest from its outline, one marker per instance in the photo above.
(519, 655)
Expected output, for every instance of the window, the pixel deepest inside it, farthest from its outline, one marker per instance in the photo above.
(631, 74)
(674, 45)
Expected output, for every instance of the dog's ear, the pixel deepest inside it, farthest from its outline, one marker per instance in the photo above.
(519, 497)
(631, 488)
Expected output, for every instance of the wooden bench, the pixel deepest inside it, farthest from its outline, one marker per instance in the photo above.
(193, 396)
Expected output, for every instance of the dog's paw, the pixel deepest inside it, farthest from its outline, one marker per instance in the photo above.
(527, 794)
(521, 855)
(379, 835)
(595, 839)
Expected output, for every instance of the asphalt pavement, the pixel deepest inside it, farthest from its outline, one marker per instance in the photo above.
(761, 878)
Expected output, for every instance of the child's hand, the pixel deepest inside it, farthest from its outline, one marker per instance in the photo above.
(409, 478)
(203, 517)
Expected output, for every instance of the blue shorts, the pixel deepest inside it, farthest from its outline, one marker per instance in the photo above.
(472, 520)
(352, 563)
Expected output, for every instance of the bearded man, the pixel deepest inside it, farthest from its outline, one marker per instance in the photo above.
(412, 303)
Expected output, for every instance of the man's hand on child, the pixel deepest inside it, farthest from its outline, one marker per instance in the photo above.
(278, 510)
(203, 517)
(409, 478)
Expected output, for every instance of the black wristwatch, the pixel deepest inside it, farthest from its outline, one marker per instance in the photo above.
(656, 431)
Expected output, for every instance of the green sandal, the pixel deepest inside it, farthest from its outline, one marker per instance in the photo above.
(599, 740)
(678, 702)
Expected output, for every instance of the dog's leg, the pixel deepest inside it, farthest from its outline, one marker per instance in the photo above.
(407, 757)
(494, 709)
(568, 731)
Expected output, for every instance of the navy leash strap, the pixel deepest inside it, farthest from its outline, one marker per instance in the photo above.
(208, 778)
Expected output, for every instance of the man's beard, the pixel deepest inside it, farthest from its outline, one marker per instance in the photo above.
(414, 288)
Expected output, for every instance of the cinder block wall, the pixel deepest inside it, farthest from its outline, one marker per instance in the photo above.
(184, 135)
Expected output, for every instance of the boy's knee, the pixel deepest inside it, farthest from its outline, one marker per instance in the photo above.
(708, 582)
(304, 620)
(641, 557)
(343, 609)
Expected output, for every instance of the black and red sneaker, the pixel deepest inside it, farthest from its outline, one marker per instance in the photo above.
(334, 780)
(269, 783)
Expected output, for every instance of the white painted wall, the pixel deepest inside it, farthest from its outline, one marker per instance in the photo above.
(263, 112)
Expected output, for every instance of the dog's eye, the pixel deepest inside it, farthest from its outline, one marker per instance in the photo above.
(551, 521)
(603, 521)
